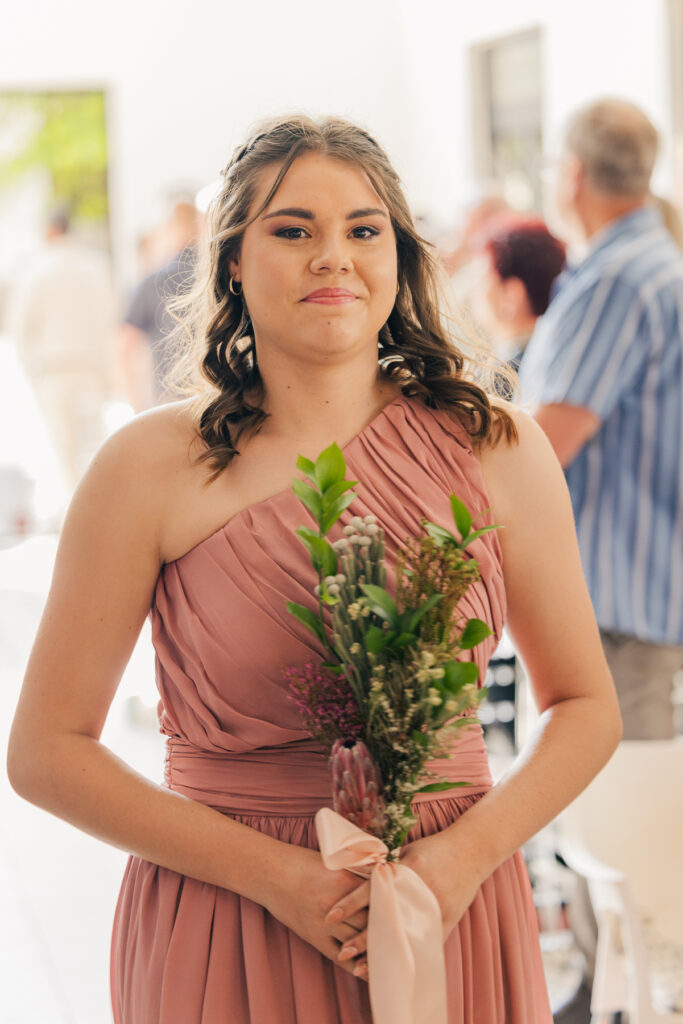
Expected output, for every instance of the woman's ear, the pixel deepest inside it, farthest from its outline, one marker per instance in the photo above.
(234, 268)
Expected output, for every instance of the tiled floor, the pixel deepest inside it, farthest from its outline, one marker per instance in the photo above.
(58, 886)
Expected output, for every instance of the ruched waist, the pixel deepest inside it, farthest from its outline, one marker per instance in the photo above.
(293, 779)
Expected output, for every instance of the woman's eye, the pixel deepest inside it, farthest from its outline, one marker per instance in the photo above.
(291, 233)
(365, 228)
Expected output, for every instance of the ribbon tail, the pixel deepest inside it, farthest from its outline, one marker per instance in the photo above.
(407, 970)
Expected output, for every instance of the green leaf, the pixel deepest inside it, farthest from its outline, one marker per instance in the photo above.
(421, 738)
(439, 787)
(459, 674)
(474, 632)
(477, 534)
(330, 467)
(419, 612)
(404, 640)
(306, 466)
(377, 639)
(461, 515)
(335, 491)
(440, 535)
(310, 498)
(381, 603)
(331, 515)
(331, 666)
(322, 553)
(308, 618)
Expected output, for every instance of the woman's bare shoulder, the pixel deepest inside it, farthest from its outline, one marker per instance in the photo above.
(146, 455)
(138, 471)
(519, 469)
(159, 437)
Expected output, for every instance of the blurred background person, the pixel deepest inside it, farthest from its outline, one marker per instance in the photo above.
(604, 373)
(62, 315)
(143, 355)
(603, 370)
(519, 265)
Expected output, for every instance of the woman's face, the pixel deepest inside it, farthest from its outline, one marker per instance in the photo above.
(318, 267)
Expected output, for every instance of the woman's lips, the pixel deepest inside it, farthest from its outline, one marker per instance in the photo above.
(331, 296)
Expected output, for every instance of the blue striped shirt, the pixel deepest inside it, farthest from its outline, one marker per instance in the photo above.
(612, 342)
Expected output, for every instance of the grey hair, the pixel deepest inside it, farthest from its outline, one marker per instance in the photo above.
(617, 145)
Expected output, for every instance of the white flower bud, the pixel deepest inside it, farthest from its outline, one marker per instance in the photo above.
(437, 673)
(348, 531)
(364, 542)
(372, 530)
(330, 579)
(370, 519)
(316, 590)
(356, 522)
(333, 589)
(340, 577)
(341, 544)
(355, 648)
(427, 658)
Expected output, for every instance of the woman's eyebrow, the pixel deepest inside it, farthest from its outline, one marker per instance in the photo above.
(295, 211)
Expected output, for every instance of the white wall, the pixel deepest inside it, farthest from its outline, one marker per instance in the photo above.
(591, 48)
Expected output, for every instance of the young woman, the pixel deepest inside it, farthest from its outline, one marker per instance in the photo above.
(314, 320)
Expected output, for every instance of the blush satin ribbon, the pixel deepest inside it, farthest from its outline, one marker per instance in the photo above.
(407, 970)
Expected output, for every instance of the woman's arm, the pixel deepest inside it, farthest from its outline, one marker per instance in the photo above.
(105, 573)
(551, 621)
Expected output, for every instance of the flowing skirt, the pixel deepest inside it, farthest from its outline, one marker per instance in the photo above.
(187, 952)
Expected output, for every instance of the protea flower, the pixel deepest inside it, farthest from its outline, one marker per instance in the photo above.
(357, 786)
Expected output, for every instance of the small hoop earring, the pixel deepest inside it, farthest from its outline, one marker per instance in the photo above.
(231, 286)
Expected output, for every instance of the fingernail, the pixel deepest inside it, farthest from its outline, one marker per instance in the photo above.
(347, 952)
(335, 914)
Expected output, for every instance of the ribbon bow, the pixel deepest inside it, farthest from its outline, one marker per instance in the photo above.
(407, 970)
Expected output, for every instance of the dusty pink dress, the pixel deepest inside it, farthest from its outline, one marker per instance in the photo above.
(185, 952)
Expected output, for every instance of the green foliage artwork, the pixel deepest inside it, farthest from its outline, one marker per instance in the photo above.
(63, 133)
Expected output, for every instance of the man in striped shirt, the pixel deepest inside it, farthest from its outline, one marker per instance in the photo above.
(603, 374)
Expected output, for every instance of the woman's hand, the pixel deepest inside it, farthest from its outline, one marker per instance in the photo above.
(452, 880)
(306, 891)
(450, 876)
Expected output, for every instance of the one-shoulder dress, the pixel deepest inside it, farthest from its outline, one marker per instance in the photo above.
(187, 952)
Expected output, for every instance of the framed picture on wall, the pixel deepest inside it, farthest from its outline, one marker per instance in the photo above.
(507, 115)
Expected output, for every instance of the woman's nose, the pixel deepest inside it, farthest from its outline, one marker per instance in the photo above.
(332, 256)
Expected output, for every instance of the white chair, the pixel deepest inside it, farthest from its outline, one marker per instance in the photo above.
(624, 835)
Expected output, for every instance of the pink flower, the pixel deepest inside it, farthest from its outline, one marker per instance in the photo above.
(357, 786)
(325, 703)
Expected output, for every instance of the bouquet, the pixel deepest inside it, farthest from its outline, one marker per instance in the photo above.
(393, 692)
(390, 697)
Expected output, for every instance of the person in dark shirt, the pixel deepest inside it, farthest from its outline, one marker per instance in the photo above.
(148, 322)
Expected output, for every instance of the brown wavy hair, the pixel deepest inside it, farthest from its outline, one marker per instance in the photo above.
(215, 355)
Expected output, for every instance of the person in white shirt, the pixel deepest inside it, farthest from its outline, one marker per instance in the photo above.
(62, 317)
